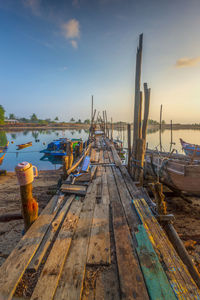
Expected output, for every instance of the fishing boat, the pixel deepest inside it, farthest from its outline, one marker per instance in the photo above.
(58, 147)
(190, 149)
(2, 158)
(175, 170)
(22, 146)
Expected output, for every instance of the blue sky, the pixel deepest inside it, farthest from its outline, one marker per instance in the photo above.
(55, 54)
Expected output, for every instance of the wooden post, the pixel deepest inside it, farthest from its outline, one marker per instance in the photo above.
(160, 128)
(146, 110)
(140, 117)
(129, 146)
(171, 143)
(137, 94)
(111, 130)
(107, 131)
(25, 176)
(92, 110)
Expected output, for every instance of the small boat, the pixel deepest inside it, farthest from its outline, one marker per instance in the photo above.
(175, 170)
(190, 149)
(2, 158)
(22, 146)
(58, 147)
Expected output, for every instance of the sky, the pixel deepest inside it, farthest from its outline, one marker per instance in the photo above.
(55, 54)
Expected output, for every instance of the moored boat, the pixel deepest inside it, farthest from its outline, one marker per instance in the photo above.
(190, 149)
(176, 171)
(22, 146)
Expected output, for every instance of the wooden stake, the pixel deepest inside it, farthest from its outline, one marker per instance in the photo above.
(140, 117)
(29, 205)
(129, 146)
(137, 94)
(146, 110)
(160, 127)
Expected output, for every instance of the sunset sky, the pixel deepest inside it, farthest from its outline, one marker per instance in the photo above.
(55, 54)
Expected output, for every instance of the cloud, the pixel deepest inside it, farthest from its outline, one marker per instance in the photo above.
(187, 62)
(74, 44)
(34, 5)
(71, 29)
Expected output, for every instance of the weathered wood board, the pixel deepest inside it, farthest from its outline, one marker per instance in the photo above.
(48, 280)
(99, 246)
(74, 189)
(36, 260)
(70, 287)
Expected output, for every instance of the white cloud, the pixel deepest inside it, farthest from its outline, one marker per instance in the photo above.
(74, 44)
(71, 29)
(187, 62)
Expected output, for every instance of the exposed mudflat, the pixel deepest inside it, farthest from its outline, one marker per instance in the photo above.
(43, 189)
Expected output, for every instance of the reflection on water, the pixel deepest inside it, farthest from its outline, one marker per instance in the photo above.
(40, 140)
(188, 135)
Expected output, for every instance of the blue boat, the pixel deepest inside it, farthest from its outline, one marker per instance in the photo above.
(58, 147)
(190, 149)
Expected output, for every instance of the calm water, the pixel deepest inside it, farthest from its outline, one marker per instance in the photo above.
(33, 155)
(191, 136)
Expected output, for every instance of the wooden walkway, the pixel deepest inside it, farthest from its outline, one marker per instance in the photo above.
(104, 245)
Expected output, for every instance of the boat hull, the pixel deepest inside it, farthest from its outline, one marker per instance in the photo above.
(176, 174)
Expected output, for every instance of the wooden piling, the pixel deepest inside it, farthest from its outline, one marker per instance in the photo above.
(160, 133)
(146, 110)
(129, 146)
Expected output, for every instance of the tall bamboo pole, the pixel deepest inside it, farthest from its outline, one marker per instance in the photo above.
(107, 132)
(171, 137)
(140, 117)
(146, 110)
(111, 129)
(160, 135)
(129, 146)
(137, 93)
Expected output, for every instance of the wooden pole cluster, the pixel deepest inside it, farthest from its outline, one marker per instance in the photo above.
(139, 129)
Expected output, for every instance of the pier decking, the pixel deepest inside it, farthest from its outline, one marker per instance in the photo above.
(100, 242)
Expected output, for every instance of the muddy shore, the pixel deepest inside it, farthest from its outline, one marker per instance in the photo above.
(43, 189)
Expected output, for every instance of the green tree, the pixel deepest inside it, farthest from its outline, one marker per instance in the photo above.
(12, 116)
(2, 116)
(79, 121)
(34, 118)
(56, 119)
(72, 120)
(87, 121)
(3, 138)
(163, 121)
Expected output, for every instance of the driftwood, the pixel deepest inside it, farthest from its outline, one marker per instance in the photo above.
(10, 217)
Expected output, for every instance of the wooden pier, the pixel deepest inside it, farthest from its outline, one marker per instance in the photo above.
(97, 241)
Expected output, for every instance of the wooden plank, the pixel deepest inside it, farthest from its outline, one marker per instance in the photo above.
(36, 260)
(105, 193)
(96, 156)
(156, 280)
(99, 246)
(74, 189)
(71, 280)
(14, 267)
(48, 280)
(128, 267)
(179, 277)
(93, 155)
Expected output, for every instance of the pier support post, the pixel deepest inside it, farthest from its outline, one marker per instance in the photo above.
(25, 176)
